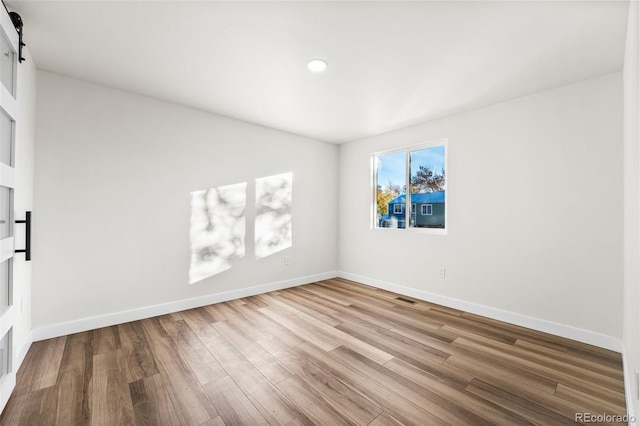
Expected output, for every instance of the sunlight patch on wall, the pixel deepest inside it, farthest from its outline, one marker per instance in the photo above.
(217, 229)
(273, 214)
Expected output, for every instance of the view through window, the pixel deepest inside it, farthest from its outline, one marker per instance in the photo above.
(422, 169)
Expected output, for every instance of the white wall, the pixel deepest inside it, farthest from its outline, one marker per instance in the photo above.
(535, 209)
(631, 319)
(114, 172)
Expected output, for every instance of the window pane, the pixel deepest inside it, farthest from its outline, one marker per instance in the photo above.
(428, 187)
(5, 285)
(5, 212)
(6, 138)
(5, 351)
(7, 67)
(391, 178)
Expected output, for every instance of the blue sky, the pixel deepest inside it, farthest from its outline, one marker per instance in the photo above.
(391, 168)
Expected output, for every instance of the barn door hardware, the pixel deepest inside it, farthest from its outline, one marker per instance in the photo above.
(27, 238)
(17, 22)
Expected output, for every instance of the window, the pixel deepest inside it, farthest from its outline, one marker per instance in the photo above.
(422, 169)
(5, 354)
(390, 183)
(6, 139)
(6, 276)
(7, 63)
(5, 212)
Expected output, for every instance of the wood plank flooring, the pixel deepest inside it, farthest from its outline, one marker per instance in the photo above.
(329, 353)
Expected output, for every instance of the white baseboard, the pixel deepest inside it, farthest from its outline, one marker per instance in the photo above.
(91, 323)
(629, 380)
(561, 330)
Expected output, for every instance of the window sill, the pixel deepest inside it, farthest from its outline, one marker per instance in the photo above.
(426, 231)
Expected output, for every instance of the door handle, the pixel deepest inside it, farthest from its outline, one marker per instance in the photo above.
(27, 239)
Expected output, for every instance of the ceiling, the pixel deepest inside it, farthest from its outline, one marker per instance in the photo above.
(391, 64)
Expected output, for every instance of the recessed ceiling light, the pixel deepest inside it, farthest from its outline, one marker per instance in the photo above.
(317, 65)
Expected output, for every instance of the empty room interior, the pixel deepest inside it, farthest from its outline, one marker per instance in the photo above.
(297, 213)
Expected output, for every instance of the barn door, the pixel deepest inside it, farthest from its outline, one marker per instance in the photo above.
(8, 117)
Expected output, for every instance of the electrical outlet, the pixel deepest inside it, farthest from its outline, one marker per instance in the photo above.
(287, 261)
(443, 272)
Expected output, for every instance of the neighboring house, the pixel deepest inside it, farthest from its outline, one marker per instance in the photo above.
(427, 211)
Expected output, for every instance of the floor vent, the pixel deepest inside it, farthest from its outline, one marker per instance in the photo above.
(402, 299)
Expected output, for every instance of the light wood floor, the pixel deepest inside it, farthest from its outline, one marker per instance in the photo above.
(329, 353)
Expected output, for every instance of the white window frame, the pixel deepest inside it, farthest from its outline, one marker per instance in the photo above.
(374, 179)
(395, 207)
(427, 210)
